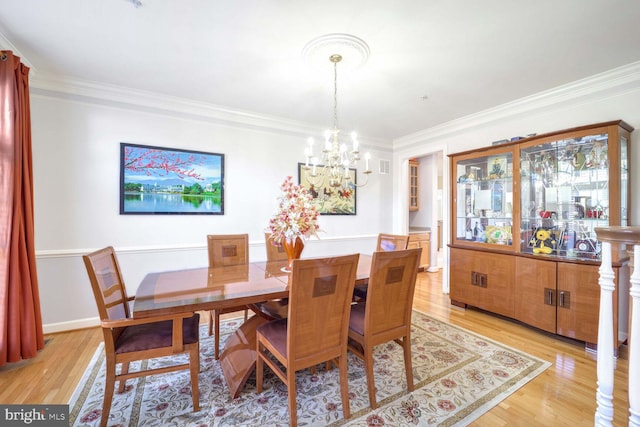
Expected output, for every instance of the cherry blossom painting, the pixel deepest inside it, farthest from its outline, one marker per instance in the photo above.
(156, 180)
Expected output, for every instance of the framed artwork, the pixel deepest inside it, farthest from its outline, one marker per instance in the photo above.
(496, 167)
(157, 180)
(329, 200)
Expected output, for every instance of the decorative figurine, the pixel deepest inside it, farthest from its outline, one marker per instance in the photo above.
(542, 241)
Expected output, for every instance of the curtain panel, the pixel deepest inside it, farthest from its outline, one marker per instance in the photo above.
(21, 333)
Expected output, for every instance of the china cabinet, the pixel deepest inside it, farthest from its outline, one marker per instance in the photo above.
(523, 225)
(414, 185)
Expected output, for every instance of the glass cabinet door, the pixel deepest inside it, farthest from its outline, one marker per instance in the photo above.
(624, 180)
(564, 196)
(484, 199)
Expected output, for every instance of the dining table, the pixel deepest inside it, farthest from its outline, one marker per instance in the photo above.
(212, 288)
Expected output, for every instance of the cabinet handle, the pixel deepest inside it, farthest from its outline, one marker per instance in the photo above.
(549, 296)
(483, 280)
(565, 299)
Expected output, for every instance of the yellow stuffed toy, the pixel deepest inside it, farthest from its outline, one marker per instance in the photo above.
(542, 241)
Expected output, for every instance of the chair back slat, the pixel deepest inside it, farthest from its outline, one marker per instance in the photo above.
(107, 284)
(228, 249)
(390, 291)
(392, 242)
(274, 253)
(319, 300)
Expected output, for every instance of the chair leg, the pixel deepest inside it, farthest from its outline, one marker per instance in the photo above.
(259, 368)
(194, 369)
(344, 385)
(371, 383)
(291, 387)
(408, 366)
(211, 314)
(109, 385)
(246, 314)
(124, 368)
(216, 325)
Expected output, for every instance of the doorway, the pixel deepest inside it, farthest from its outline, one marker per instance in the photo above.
(430, 213)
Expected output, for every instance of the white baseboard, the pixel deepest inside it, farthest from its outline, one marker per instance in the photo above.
(90, 322)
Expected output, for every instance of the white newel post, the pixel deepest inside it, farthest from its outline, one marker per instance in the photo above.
(605, 369)
(634, 345)
(604, 393)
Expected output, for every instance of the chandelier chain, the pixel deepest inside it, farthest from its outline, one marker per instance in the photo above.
(335, 95)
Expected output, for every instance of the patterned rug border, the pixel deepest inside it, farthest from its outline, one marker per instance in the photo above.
(360, 417)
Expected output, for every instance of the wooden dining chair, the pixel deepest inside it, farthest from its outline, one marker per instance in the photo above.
(392, 242)
(226, 250)
(386, 313)
(272, 309)
(386, 242)
(127, 339)
(274, 253)
(315, 329)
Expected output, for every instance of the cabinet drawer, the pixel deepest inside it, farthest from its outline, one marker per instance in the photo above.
(579, 318)
(483, 280)
(535, 293)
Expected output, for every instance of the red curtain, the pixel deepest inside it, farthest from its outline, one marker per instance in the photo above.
(20, 320)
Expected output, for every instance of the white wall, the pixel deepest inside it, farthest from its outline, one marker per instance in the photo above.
(76, 182)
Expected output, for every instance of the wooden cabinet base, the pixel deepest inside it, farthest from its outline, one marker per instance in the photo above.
(458, 304)
(551, 294)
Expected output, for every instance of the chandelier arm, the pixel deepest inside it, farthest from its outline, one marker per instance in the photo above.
(366, 180)
(319, 178)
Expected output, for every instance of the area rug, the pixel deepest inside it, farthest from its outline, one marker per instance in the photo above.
(458, 376)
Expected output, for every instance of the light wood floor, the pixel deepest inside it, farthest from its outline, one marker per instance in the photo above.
(563, 395)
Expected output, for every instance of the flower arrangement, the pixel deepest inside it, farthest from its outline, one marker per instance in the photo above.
(296, 215)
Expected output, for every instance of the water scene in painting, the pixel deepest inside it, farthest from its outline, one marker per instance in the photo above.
(157, 180)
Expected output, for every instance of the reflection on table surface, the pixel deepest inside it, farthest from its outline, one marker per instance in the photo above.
(205, 289)
(210, 288)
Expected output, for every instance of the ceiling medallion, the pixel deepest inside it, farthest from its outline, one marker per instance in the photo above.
(354, 51)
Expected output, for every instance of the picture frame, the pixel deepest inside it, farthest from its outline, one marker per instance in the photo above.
(329, 200)
(170, 181)
(496, 167)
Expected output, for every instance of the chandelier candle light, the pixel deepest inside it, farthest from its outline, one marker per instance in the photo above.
(336, 159)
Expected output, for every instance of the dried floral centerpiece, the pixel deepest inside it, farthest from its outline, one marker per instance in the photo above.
(296, 218)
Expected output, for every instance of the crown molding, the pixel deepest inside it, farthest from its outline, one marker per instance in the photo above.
(64, 87)
(604, 85)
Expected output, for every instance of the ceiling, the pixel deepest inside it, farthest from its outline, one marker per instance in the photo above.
(431, 61)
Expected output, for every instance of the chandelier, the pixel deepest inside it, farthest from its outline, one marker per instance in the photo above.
(333, 166)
